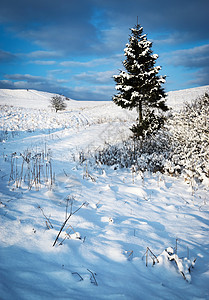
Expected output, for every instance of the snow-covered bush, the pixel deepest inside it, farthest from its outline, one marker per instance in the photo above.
(181, 147)
(189, 132)
(151, 154)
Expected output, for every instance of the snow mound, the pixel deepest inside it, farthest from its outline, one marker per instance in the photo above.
(184, 264)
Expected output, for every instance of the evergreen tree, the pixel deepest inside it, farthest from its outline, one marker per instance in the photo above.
(140, 85)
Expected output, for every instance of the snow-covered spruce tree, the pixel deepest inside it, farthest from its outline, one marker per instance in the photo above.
(140, 85)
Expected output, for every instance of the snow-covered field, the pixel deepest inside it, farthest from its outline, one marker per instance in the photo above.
(114, 216)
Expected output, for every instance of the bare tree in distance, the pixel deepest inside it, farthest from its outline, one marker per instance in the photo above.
(58, 103)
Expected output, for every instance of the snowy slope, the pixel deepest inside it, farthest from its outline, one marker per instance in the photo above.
(114, 215)
(175, 99)
(22, 98)
(34, 99)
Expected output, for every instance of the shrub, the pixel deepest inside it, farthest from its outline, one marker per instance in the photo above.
(190, 139)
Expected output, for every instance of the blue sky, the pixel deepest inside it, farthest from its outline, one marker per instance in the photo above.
(75, 47)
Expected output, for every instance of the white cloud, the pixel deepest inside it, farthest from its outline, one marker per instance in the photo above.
(43, 62)
(25, 77)
(44, 54)
(196, 57)
(71, 63)
(6, 56)
(95, 77)
(113, 60)
(193, 63)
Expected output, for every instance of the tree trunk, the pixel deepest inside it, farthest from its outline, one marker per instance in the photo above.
(140, 112)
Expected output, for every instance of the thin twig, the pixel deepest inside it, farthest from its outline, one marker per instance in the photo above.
(65, 222)
(65, 173)
(45, 216)
(152, 255)
(94, 282)
(81, 278)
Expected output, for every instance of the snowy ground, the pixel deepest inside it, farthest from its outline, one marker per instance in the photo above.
(116, 214)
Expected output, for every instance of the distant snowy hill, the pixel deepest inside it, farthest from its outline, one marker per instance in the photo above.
(41, 100)
(175, 99)
(25, 98)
